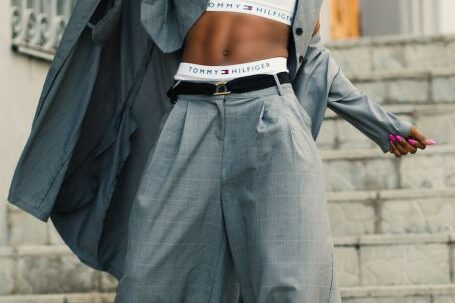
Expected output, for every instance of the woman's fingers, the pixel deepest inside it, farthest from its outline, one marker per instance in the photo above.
(404, 145)
(419, 136)
(402, 150)
(416, 143)
(396, 141)
(393, 149)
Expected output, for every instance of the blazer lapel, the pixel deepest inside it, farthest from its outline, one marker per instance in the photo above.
(306, 15)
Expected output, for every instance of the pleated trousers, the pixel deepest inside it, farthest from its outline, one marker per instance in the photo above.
(231, 204)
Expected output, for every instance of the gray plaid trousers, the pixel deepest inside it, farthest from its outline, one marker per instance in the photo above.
(231, 203)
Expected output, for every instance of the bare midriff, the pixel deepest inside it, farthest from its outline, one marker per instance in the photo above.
(225, 38)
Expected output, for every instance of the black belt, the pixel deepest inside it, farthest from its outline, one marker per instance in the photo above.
(237, 85)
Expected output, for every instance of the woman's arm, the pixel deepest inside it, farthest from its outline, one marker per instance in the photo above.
(317, 26)
(358, 109)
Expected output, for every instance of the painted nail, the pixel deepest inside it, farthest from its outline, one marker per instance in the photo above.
(399, 138)
(430, 142)
(391, 142)
(392, 137)
(412, 142)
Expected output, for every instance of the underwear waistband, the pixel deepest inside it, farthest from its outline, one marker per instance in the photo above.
(275, 12)
(197, 72)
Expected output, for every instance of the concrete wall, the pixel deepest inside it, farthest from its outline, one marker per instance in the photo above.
(447, 21)
(407, 17)
(325, 21)
(380, 17)
(21, 80)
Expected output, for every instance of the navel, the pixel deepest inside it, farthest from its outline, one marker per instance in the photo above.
(226, 52)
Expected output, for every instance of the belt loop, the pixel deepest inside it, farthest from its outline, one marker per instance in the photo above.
(171, 92)
(176, 83)
(278, 84)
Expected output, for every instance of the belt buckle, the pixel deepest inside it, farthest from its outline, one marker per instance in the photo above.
(224, 89)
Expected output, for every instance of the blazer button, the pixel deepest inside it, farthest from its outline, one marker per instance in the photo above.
(299, 31)
(300, 58)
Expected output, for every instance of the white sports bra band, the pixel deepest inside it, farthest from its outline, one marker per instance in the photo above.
(197, 72)
(278, 10)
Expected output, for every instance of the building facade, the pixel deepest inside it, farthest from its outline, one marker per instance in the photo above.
(355, 18)
(37, 25)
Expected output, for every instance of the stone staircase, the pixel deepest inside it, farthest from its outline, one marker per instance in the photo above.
(393, 219)
(395, 53)
(39, 267)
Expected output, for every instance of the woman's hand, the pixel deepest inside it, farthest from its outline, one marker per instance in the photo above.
(402, 146)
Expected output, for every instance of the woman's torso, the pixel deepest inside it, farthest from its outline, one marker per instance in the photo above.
(230, 37)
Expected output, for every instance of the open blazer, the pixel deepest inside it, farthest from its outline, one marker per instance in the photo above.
(102, 105)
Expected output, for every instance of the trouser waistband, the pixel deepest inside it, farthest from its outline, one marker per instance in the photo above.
(237, 85)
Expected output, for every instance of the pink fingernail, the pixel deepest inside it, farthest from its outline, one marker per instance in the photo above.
(412, 142)
(430, 142)
(392, 137)
(399, 138)
(391, 142)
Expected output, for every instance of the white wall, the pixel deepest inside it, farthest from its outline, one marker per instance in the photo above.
(325, 20)
(21, 80)
(446, 16)
(388, 17)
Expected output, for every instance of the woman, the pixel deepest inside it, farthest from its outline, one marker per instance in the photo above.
(233, 190)
(238, 204)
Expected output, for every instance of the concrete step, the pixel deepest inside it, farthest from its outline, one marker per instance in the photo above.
(369, 192)
(444, 293)
(370, 169)
(408, 86)
(367, 260)
(397, 52)
(386, 260)
(418, 210)
(392, 211)
(60, 298)
(432, 119)
(47, 269)
(431, 293)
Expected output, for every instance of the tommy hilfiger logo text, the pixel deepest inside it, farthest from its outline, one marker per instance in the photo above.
(250, 8)
(244, 69)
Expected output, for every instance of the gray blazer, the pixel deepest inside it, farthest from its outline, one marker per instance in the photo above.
(103, 101)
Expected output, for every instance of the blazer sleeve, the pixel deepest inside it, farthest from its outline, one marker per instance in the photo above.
(104, 20)
(356, 107)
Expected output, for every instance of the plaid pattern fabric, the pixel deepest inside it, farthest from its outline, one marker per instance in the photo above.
(232, 200)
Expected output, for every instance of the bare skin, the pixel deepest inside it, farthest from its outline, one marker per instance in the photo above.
(225, 38)
(403, 148)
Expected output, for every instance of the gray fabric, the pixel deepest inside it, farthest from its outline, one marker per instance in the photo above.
(233, 191)
(100, 109)
(321, 83)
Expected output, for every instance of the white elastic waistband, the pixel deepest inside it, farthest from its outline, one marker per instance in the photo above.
(197, 72)
(257, 8)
